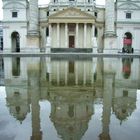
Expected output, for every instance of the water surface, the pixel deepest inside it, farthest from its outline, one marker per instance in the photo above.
(47, 99)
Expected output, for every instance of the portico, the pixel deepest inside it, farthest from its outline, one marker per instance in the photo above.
(71, 28)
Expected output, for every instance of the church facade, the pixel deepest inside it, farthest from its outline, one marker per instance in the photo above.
(70, 26)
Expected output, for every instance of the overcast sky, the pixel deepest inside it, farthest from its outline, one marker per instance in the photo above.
(45, 2)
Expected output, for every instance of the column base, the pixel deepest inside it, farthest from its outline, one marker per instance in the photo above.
(7, 50)
(33, 44)
(48, 50)
(110, 45)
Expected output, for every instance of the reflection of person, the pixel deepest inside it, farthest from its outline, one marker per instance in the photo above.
(126, 69)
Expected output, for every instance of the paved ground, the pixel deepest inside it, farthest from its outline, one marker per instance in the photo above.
(78, 55)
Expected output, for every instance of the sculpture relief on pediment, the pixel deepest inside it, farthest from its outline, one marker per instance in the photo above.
(14, 5)
(71, 14)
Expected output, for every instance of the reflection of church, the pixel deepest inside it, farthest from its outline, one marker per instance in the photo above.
(72, 88)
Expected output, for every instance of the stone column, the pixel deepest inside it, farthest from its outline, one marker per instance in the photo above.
(43, 39)
(33, 18)
(93, 39)
(85, 34)
(110, 41)
(33, 43)
(49, 39)
(109, 18)
(66, 35)
(50, 30)
(58, 34)
(93, 31)
(58, 73)
(77, 34)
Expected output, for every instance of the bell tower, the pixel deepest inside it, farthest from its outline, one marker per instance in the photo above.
(14, 23)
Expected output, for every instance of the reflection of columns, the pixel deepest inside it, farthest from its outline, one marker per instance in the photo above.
(107, 103)
(58, 33)
(34, 80)
(85, 34)
(58, 74)
(100, 70)
(84, 75)
(66, 35)
(77, 33)
(49, 70)
(76, 73)
(36, 134)
(66, 73)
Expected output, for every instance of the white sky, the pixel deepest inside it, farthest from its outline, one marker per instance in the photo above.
(46, 2)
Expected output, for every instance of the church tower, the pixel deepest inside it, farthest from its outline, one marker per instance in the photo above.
(15, 25)
(127, 23)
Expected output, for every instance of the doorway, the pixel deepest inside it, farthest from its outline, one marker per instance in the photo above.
(15, 42)
(71, 42)
(127, 43)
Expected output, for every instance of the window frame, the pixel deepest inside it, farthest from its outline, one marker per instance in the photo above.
(14, 14)
(128, 15)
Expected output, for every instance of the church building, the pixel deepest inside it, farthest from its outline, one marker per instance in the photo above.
(71, 26)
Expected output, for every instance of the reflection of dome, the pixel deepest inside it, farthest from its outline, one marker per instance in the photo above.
(123, 107)
(71, 129)
(18, 106)
(104, 136)
(71, 112)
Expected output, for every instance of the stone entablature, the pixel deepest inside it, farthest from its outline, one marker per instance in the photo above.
(71, 15)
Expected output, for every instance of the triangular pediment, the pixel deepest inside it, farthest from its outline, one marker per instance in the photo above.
(129, 6)
(14, 5)
(71, 13)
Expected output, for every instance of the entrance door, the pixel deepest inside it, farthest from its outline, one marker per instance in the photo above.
(71, 42)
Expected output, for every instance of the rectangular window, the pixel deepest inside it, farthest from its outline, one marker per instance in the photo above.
(95, 14)
(14, 14)
(128, 15)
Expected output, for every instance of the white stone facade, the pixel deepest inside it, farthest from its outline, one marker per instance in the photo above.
(131, 25)
(1, 36)
(69, 25)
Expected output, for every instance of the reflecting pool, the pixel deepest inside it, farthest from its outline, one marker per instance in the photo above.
(44, 98)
